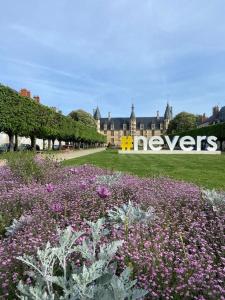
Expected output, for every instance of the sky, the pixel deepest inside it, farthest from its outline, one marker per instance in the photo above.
(77, 54)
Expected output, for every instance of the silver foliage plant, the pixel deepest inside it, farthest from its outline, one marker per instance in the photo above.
(109, 180)
(18, 224)
(96, 279)
(215, 199)
(130, 214)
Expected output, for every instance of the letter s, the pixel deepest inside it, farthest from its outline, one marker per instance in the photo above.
(211, 140)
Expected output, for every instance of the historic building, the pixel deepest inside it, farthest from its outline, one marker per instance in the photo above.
(26, 93)
(218, 116)
(115, 128)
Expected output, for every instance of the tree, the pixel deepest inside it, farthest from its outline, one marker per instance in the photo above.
(182, 122)
(21, 116)
(83, 117)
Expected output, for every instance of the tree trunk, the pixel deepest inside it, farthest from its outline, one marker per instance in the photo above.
(16, 142)
(33, 142)
(60, 145)
(11, 143)
(43, 144)
(49, 144)
(53, 143)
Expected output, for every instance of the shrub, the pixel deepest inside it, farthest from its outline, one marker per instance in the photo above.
(24, 166)
(215, 199)
(55, 277)
(28, 167)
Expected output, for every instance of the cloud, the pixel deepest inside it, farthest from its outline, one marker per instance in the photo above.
(110, 52)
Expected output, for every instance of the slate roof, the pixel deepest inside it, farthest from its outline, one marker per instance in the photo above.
(132, 116)
(97, 115)
(118, 122)
(220, 117)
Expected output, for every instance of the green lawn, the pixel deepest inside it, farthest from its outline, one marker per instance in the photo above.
(203, 170)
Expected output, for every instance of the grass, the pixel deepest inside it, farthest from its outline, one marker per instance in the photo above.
(203, 170)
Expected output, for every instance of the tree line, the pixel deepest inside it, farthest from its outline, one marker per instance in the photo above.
(22, 116)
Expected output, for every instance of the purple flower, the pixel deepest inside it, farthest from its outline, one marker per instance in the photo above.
(56, 207)
(92, 180)
(103, 192)
(49, 187)
(74, 171)
(83, 185)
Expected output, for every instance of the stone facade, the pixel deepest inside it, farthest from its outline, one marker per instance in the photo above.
(218, 116)
(115, 128)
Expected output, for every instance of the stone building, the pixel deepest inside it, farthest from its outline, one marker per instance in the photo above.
(218, 116)
(26, 93)
(115, 128)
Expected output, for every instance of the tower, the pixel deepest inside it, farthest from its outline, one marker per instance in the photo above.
(215, 111)
(132, 122)
(25, 93)
(97, 117)
(168, 116)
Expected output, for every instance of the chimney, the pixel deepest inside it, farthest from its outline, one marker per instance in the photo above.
(25, 93)
(215, 111)
(109, 115)
(203, 118)
(157, 115)
(37, 99)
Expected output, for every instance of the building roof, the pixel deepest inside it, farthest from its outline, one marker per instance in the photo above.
(119, 122)
(219, 117)
(222, 114)
(132, 116)
(97, 115)
(168, 112)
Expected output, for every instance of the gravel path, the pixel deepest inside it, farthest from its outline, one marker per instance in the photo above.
(74, 154)
(2, 162)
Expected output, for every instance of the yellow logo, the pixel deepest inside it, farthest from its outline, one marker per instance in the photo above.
(126, 143)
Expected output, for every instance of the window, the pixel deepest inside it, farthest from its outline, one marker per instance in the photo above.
(112, 126)
(142, 126)
(112, 132)
(153, 126)
(105, 126)
(161, 126)
(124, 126)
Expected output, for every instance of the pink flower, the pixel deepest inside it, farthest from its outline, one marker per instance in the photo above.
(56, 207)
(103, 192)
(49, 187)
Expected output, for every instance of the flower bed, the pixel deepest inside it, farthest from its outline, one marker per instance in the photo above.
(178, 255)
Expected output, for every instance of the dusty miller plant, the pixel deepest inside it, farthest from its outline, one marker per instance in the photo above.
(54, 276)
(215, 199)
(18, 224)
(109, 180)
(130, 214)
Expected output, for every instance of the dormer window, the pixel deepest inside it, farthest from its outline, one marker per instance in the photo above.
(142, 127)
(124, 126)
(105, 126)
